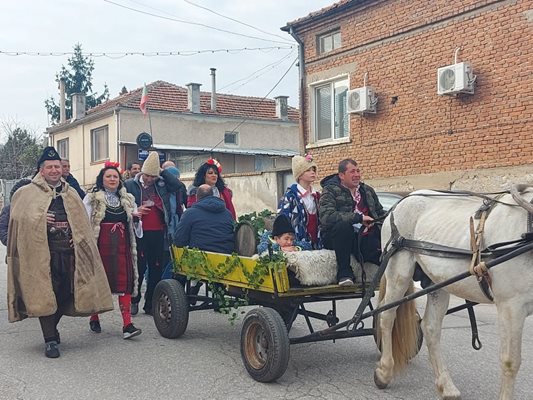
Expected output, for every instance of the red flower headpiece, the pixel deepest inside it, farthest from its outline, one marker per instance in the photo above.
(115, 164)
(308, 157)
(214, 162)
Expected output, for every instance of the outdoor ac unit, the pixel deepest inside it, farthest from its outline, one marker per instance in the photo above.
(361, 100)
(456, 78)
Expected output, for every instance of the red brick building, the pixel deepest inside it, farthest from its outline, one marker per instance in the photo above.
(418, 138)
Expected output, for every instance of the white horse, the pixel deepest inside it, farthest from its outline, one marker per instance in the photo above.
(444, 219)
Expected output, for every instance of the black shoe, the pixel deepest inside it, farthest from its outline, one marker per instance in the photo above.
(95, 326)
(130, 331)
(51, 350)
(134, 308)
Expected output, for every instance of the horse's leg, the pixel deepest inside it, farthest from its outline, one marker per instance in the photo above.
(436, 307)
(398, 279)
(511, 324)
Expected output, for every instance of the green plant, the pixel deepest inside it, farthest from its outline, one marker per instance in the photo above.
(196, 265)
(256, 219)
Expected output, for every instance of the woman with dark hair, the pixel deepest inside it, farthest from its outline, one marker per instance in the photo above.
(209, 173)
(113, 213)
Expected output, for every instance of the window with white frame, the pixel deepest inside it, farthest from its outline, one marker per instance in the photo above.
(62, 148)
(231, 137)
(329, 112)
(329, 41)
(100, 144)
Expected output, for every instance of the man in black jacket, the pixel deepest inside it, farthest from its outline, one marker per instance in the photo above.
(207, 225)
(73, 182)
(152, 188)
(347, 210)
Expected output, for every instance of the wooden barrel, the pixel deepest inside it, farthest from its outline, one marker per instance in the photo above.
(245, 239)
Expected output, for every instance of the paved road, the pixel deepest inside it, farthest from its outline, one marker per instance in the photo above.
(205, 363)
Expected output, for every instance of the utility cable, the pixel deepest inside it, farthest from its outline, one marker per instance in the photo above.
(258, 104)
(253, 75)
(235, 20)
(192, 23)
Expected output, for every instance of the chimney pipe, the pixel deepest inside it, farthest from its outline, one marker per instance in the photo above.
(213, 89)
(62, 110)
(193, 97)
(78, 106)
(282, 110)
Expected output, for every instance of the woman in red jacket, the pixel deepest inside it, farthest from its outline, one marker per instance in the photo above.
(209, 172)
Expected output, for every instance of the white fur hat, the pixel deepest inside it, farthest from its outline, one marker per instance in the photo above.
(151, 164)
(301, 164)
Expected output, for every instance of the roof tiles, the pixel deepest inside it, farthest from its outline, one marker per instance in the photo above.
(167, 97)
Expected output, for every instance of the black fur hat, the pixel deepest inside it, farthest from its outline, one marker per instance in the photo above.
(49, 153)
(282, 225)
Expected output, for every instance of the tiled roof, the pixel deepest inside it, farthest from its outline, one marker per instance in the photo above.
(338, 6)
(167, 97)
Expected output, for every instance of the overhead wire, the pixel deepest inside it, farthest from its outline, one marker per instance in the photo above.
(258, 104)
(235, 20)
(193, 23)
(256, 74)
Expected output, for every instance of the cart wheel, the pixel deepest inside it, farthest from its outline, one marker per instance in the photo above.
(171, 308)
(375, 322)
(264, 344)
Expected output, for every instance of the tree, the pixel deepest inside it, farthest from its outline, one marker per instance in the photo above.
(78, 79)
(19, 154)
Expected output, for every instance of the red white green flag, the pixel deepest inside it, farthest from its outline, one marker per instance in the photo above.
(144, 100)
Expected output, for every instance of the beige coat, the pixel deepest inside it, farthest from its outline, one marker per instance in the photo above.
(29, 291)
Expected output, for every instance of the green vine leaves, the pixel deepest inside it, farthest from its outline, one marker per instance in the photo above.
(195, 264)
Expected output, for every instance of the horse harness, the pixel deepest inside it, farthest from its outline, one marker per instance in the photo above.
(477, 265)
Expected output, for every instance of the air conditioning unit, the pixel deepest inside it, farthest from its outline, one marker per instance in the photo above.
(361, 100)
(456, 78)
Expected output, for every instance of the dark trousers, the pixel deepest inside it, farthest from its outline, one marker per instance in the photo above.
(62, 275)
(149, 256)
(345, 241)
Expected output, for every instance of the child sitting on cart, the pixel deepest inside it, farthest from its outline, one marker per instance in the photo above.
(282, 238)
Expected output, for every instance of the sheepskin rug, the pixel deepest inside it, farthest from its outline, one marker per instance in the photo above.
(319, 267)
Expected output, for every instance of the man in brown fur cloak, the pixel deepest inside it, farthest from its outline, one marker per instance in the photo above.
(54, 267)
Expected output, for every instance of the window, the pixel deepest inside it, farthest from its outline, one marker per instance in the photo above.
(62, 148)
(330, 116)
(329, 41)
(99, 144)
(231, 138)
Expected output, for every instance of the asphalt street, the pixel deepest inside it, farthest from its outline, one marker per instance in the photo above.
(205, 363)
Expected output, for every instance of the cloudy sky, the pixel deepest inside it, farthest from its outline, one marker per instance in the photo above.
(149, 26)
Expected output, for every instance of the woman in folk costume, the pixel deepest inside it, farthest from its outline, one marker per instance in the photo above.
(209, 173)
(115, 221)
(300, 201)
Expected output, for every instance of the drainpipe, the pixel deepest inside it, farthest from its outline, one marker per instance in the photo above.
(301, 72)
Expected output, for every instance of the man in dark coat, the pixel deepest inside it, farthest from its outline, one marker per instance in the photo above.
(347, 209)
(207, 225)
(73, 182)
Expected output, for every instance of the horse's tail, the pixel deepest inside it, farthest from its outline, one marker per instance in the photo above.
(405, 332)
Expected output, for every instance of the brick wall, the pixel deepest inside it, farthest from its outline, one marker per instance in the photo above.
(401, 44)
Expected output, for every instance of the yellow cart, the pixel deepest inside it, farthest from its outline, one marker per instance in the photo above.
(265, 340)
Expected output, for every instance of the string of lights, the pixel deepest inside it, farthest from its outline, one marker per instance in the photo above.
(122, 54)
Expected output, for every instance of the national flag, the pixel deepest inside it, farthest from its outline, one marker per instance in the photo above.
(144, 101)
